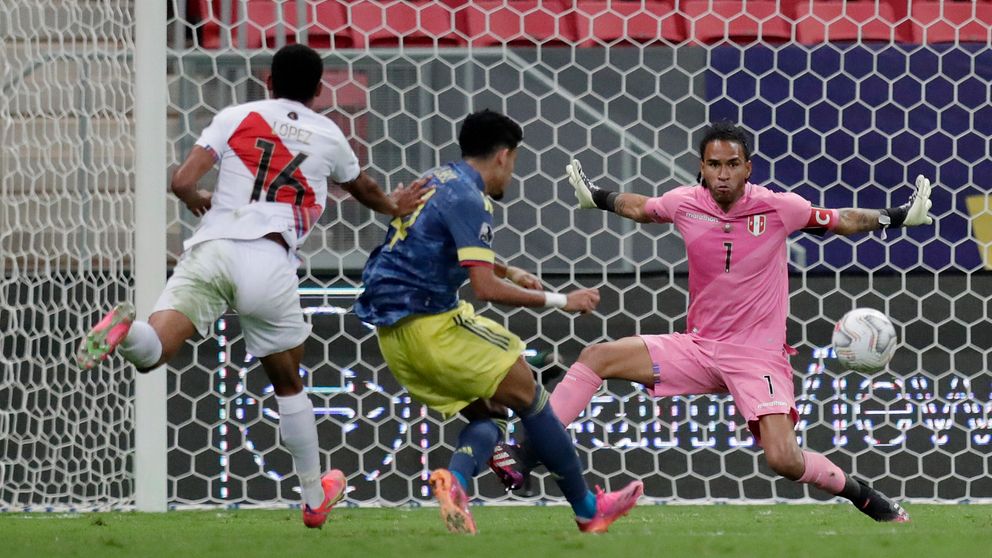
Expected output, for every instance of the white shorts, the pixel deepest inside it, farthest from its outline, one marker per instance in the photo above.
(255, 278)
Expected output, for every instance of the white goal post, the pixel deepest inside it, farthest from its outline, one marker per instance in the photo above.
(150, 101)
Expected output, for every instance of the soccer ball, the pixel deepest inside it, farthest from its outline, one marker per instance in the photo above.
(864, 340)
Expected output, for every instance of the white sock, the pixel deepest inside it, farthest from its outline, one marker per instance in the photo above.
(142, 346)
(298, 430)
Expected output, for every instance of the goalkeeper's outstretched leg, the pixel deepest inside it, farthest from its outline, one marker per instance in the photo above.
(776, 433)
(678, 364)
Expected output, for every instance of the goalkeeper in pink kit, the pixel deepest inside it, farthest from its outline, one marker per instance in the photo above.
(735, 235)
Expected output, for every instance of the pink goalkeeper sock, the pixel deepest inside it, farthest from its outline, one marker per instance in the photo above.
(574, 392)
(823, 474)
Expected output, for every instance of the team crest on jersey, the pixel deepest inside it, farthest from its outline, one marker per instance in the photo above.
(756, 224)
(486, 233)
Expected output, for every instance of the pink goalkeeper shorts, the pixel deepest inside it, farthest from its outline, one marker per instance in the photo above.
(759, 380)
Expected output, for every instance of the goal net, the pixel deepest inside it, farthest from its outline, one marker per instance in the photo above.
(66, 219)
(846, 102)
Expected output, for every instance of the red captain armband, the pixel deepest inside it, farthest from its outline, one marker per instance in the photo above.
(821, 220)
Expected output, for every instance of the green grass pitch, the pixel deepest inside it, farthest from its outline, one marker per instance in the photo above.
(808, 531)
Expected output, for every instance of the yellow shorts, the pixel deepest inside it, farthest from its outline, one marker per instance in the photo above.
(449, 360)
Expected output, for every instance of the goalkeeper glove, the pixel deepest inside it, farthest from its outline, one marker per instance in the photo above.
(588, 194)
(914, 211)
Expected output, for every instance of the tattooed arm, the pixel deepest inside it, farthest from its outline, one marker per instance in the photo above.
(910, 214)
(631, 206)
(853, 221)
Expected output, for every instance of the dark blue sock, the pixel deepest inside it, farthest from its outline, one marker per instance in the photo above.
(553, 446)
(475, 447)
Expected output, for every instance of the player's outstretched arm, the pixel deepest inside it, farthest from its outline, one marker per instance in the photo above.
(910, 214)
(591, 196)
(185, 178)
(403, 201)
(489, 287)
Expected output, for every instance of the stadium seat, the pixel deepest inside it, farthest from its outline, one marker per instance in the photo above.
(198, 13)
(604, 23)
(209, 16)
(518, 23)
(948, 22)
(197, 10)
(837, 20)
(712, 21)
(411, 24)
(260, 26)
(327, 26)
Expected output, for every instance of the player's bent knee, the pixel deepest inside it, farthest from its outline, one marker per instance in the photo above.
(785, 462)
(516, 391)
(282, 369)
(625, 358)
(518, 400)
(600, 358)
(173, 329)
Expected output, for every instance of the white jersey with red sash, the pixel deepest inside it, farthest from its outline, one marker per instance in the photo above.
(275, 157)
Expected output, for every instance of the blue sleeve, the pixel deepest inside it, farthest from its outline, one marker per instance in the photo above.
(469, 218)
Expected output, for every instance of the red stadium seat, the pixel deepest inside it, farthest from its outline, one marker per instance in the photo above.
(197, 10)
(605, 23)
(948, 22)
(518, 22)
(209, 30)
(736, 21)
(837, 20)
(258, 27)
(328, 26)
(261, 25)
(391, 23)
(210, 16)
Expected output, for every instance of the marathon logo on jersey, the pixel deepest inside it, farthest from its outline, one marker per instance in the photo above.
(756, 224)
(698, 216)
(486, 234)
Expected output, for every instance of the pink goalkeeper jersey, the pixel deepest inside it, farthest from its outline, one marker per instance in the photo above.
(738, 264)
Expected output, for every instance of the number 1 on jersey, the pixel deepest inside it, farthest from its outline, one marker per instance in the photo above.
(730, 248)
